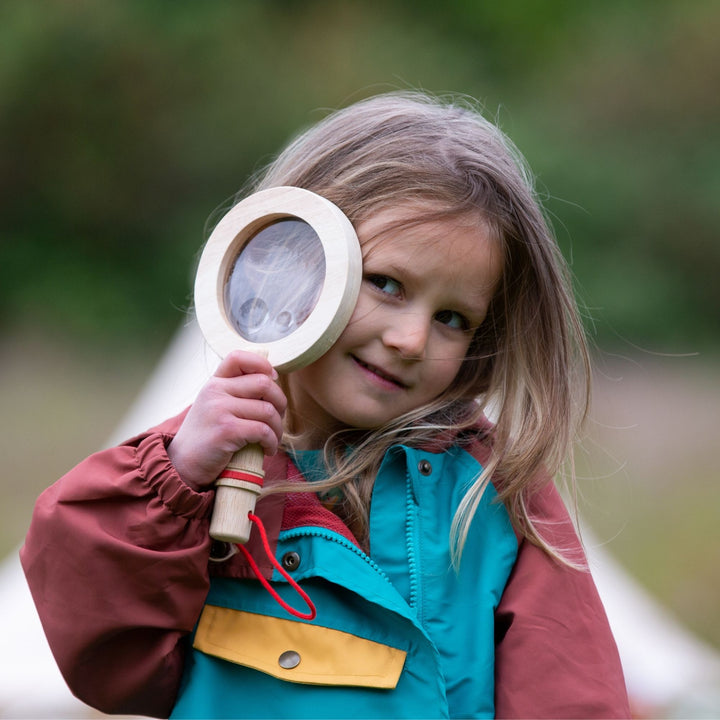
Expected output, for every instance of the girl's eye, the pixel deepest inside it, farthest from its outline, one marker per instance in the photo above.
(385, 284)
(452, 319)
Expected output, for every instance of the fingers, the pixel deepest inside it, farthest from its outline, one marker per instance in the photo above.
(248, 376)
(251, 398)
(243, 400)
(249, 387)
(240, 362)
(237, 422)
(239, 405)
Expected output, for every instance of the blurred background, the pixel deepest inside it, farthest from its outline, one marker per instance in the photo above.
(124, 125)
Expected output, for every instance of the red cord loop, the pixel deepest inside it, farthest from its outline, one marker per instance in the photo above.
(263, 535)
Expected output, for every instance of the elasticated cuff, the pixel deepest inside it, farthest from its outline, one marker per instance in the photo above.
(160, 474)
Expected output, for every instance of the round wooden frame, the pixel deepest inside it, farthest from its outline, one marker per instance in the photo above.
(336, 302)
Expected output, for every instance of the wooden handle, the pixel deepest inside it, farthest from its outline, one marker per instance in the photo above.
(236, 494)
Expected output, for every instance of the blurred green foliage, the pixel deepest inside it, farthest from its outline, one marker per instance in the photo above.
(125, 123)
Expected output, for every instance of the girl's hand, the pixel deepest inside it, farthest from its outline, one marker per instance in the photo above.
(240, 404)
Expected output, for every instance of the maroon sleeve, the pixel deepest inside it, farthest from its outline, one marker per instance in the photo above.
(555, 653)
(116, 559)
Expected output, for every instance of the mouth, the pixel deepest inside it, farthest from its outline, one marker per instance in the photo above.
(380, 373)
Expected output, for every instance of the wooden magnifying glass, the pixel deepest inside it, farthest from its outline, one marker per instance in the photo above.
(279, 276)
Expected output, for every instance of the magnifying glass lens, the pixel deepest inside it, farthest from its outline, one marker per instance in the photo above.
(275, 281)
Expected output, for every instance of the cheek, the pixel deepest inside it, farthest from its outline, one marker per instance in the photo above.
(444, 372)
(363, 321)
(449, 366)
(366, 302)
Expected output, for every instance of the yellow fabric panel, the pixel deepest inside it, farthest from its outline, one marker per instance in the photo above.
(327, 657)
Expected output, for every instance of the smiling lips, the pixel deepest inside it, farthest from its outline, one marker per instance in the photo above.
(378, 372)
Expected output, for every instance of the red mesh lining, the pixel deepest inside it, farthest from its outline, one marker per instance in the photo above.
(302, 509)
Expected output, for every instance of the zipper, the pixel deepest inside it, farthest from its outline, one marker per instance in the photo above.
(410, 542)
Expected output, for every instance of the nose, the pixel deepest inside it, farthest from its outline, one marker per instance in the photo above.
(408, 335)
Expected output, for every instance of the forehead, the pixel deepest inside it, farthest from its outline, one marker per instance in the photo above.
(418, 218)
(419, 228)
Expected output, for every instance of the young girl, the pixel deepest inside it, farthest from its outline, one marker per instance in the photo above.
(447, 578)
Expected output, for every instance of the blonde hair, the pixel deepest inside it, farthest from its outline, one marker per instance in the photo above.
(528, 358)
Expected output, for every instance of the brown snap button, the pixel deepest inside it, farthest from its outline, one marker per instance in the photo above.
(291, 561)
(289, 660)
(424, 467)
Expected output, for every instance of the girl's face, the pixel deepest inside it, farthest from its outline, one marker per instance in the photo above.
(426, 288)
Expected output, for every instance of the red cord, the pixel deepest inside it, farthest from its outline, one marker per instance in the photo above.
(263, 535)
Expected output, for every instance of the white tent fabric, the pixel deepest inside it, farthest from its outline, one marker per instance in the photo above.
(670, 673)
